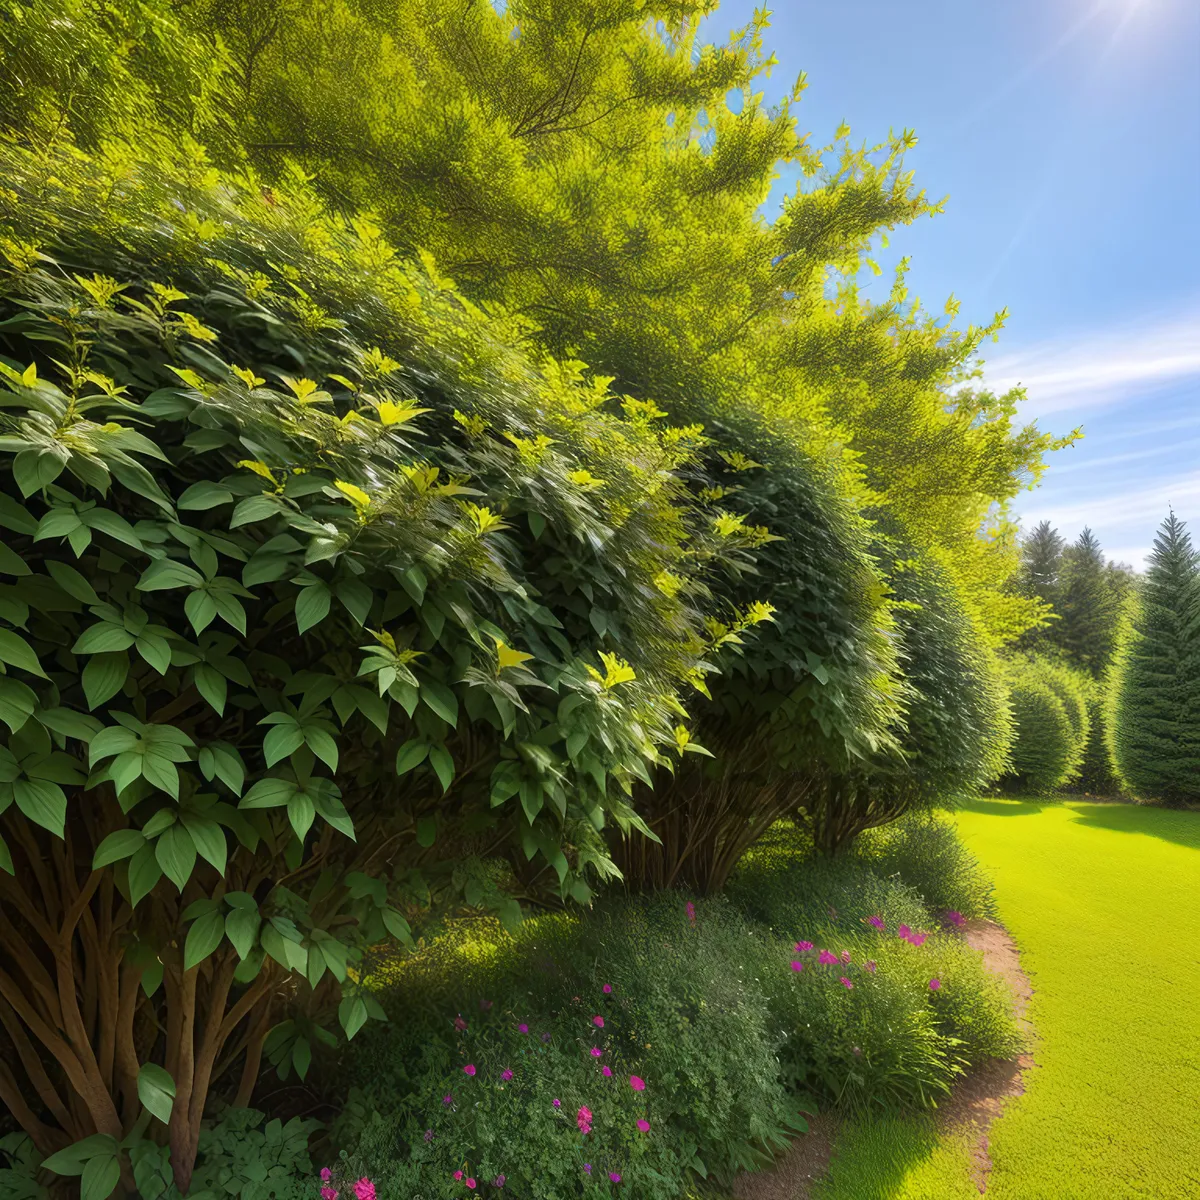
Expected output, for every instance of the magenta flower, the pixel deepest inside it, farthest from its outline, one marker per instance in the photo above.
(498, 1181)
(469, 1069)
(607, 989)
(826, 958)
(326, 1174)
(522, 1028)
(583, 1118)
(802, 946)
(797, 965)
(614, 1176)
(903, 931)
(638, 1084)
(845, 956)
(691, 912)
(956, 918)
(470, 1183)
(505, 1075)
(935, 985)
(459, 1023)
(558, 1104)
(447, 1100)
(587, 1167)
(917, 939)
(364, 1189)
(457, 1175)
(878, 922)
(606, 1072)
(596, 1052)
(644, 1126)
(328, 1193)
(845, 983)
(598, 1022)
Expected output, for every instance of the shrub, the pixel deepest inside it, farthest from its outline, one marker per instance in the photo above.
(924, 851)
(1154, 695)
(1097, 776)
(1051, 717)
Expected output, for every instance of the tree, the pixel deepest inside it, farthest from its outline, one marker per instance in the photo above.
(1090, 594)
(1154, 698)
(1050, 711)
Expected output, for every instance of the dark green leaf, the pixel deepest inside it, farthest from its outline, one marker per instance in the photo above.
(312, 606)
(156, 1089)
(441, 699)
(104, 676)
(203, 495)
(42, 802)
(122, 844)
(176, 854)
(17, 652)
(204, 936)
(411, 754)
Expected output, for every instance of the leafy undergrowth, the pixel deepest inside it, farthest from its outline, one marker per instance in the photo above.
(1104, 902)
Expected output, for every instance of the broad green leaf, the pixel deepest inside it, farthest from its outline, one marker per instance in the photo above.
(356, 598)
(352, 1013)
(104, 676)
(204, 936)
(115, 739)
(72, 582)
(281, 741)
(301, 811)
(312, 606)
(411, 754)
(426, 831)
(441, 699)
(212, 685)
(166, 573)
(241, 927)
(156, 1089)
(268, 793)
(161, 773)
(17, 652)
(443, 764)
(201, 610)
(70, 723)
(72, 1159)
(208, 837)
(122, 844)
(42, 802)
(100, 1177)
(156, 650)
(105, 637)
(17, 702)
(176, 854)
(204, 495)
(396, 925)
(144, 873)
(254, 508)
(322, 745)
(332, 810)
(11, 563)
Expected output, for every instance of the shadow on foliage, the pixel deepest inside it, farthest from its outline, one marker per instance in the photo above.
(1181, 826)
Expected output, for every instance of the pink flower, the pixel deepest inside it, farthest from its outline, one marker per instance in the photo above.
(470, 1183)
(644, 1126)
(469, 1069)
(596, 1052)
(827, 958)
(606, 1072)
(558, 1104)
(505, 1075)
(845, 956)
(691, 912)
(326, 1174)
(870, 966)
(587, 1167)
(797, 965)
(522, 1028)
(498, 1181)
(935, 985)
(845, 983)
(457, 1175)
(802, 946)
(607, 989)
(956, 918)
(459, 1023)
(447, 1100)
(598, 1022)
(917, 939)
(878, 922)
(638, 1084)
(364, 1189)
(328, 1193)
(614, 1176)
(583, 1118)
(903, 931)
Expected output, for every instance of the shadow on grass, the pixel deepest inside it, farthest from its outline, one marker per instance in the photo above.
(1000, 806)
(1170, 824)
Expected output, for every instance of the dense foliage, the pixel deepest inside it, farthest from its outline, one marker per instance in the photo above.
(1154, 697)
(1050, 711)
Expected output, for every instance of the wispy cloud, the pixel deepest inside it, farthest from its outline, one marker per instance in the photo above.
(1103, 369)
(1139, 510)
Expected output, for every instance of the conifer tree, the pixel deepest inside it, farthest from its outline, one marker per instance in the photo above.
(1154, 718)
(1089, 603)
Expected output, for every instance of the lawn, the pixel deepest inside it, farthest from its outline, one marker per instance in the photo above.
(1104, 902)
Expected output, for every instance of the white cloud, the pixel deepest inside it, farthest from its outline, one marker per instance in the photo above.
(1101, 370)
(1143, 509)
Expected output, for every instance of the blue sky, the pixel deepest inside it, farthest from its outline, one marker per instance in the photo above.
(1066, 135)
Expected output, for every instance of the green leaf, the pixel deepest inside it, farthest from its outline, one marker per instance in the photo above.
(312, 605)
(441, 699)
(301, 811)
(11, 563)
(105, 637)
(176, 854)
(104, 676)
(166, 573)
(16, 517)
(396, 925)
(356, 598)
(17, 702)
(70, 723)
(116, 739)
(100, 1177)
(156, 1089)
(212, 685)
(35, 469)
(122, 844)
(156, 650)
(331, 808)
(42, 802)
(17, 652)
(201, 609)
(411, 754)
(443, 764)
(268, 793)
(302, 1056)
(322, 744)
(6, 862)
(72, 582)
(281, 741)
(255, 508)
(352, 1013)
(208, 837)
(426, 831)
(72, 1160)
(241, 927)
(160, 772)
(144, 873)
(204, 495)
(204, 936)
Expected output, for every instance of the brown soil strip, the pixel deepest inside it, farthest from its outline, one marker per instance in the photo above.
(978, 1098)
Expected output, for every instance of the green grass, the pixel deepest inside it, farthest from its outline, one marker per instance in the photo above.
(1104, 902)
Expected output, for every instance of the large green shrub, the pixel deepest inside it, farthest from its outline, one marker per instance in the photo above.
(1097, 776)
(260, 569)
(1050, 712)
(1154, 693)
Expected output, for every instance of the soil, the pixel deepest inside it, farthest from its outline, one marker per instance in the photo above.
(978, 1098)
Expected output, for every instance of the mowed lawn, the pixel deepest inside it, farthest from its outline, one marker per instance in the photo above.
(1104, 903)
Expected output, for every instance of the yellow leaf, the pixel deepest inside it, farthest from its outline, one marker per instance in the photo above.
(391, 413)
(29, 378)
(258, 468)
(506, 656)
(617, 670)
(189, 377)
(354, 494)
(301, 387)
(248, 377)
(168, 295)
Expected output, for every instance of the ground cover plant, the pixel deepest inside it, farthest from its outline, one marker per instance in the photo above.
(1110, 1108)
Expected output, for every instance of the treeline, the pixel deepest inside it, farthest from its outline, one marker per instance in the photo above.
(1106, 691)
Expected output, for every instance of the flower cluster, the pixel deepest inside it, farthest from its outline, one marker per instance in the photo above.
(363, 1189)
(830, 958)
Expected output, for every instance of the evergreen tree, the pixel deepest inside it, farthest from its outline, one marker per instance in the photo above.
(1041, 561)
(1089, 605)
(1154, 718)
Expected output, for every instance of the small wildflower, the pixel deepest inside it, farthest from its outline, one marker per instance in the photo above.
(827, 958)
(644, 1126)
(505, 1075)
(598, 1022)
(328, 1193)
(459, 1023)
(484, 1005)
(856, 1051)
(596, 1052)
(637, 1083)
(429, 1135)
(587, 1167)
(614, 1176)
(457, 1175)
(877, 922)
(607, 989)
(558, 1104)
(691, 912)
(583, 1118)
(917, 939)
(574, 999)
(845, 983)
(469, 1069)
(797, 965)
(364, 1189)
(522, 1028)
(845, 956)
(935, 985)
(606, 1072)
(470, 1182)
(326, 1174)
(447, 1100)
(903, 931)
(870, 966)
(498, 1181)
(956, 918)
